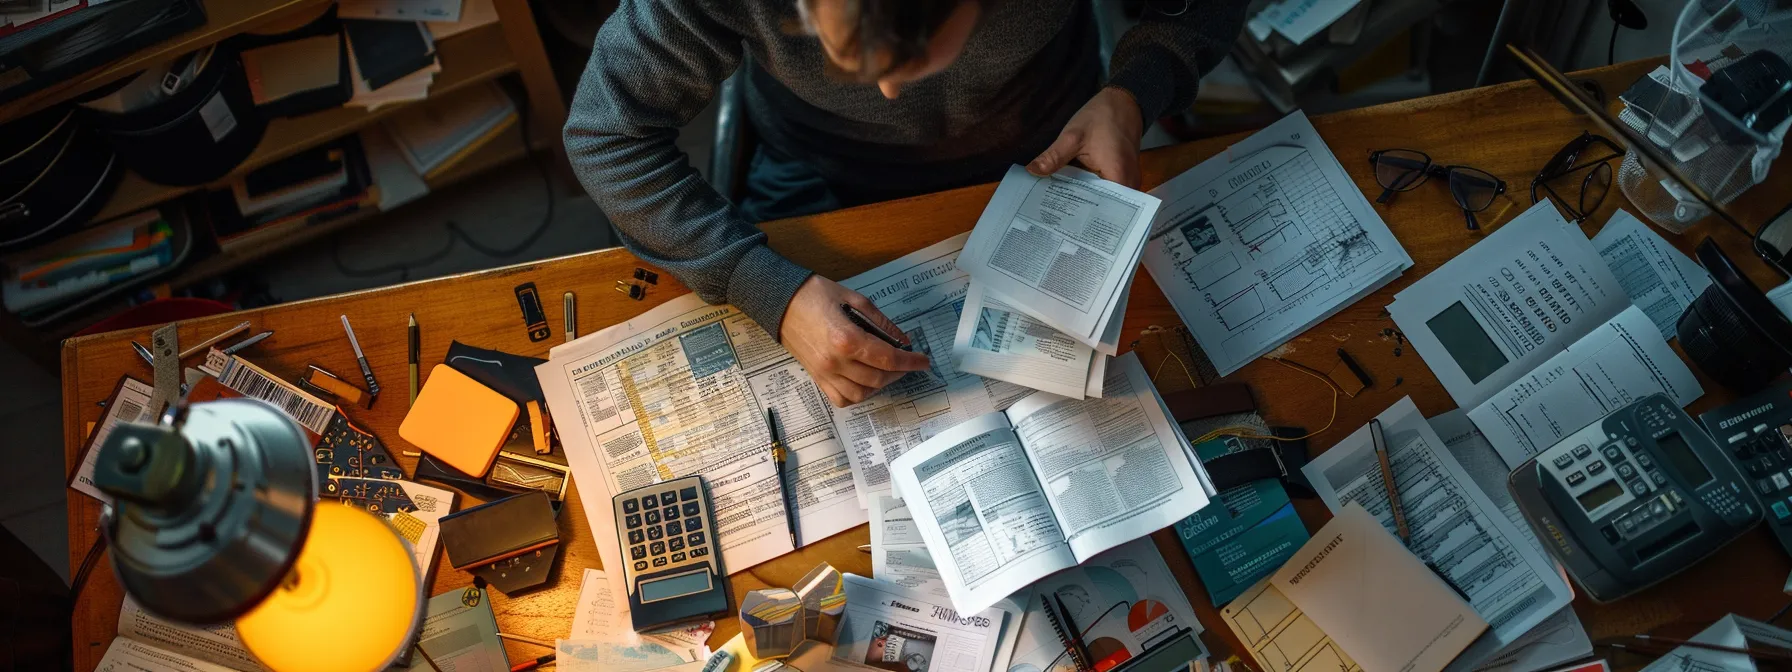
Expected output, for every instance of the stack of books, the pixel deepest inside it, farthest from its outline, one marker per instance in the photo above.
(314, 186)
(87, 262)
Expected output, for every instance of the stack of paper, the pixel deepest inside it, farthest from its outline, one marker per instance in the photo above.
(1051, 263)
(434, 137)
(1532, 333)
(390, 62)
(1262, 242)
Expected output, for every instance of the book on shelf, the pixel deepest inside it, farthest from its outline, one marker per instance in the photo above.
(92, 260)
(435, 137)
(295, 183)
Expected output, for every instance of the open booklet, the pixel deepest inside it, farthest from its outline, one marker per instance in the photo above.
(1010, 497)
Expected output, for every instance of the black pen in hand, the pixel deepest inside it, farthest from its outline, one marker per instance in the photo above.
(861, 321)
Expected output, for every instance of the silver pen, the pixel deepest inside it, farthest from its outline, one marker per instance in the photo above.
(572, 321)
(373, 386)
(245, 343)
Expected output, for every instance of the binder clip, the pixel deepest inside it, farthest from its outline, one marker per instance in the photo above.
(637, 288)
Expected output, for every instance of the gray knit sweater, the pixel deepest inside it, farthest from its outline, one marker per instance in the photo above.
(1028, 66)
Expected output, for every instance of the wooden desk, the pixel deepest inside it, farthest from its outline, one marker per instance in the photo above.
(1509, 130)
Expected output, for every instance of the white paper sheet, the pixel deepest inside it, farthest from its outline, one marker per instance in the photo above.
(1658, 278)
(1623, 360)
(886, 625)
(898, 553)
(131, 405)
(1498, 310)
(1061, 248)
(1258, 244)
(601, 617)
(1731, 630)
(1455, 527)
(1126, 594)
(1300, 20)
(997, 340)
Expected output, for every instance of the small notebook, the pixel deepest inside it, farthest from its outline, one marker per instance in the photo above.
(459, 421)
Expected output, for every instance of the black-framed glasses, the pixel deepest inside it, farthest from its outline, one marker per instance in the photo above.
(1579, 176)
(1398, 170)
(1773, 241)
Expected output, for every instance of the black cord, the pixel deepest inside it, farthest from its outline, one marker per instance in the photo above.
(1782, 612)
(456, 233)
(1611, 43)
(87, 563)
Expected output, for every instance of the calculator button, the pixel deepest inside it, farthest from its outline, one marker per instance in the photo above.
(1564, 461)
(696, 538)
(1754, 469)
(687, 494)
(649, 501)
(640, 565)
(633, 521)
(1582, 451)
(1779, 481)
(653, 517)
(1614, 453)
(675, 544)
(1576, 478)
(690, 509)
(678, 557)
(637, 552)
(1610, 534)
(631, 505)
(658, 548)
(1780, 511)
(1639, 488)
(699, 551)
(669, 513)
(693, 524)
(1658, 478)
(1642, 460)
(1764, 486)
(1658, 509)
(635, 537)
(672, 529)
(1595, 468)
(1626, 472)
(1741, 449)
(654, 533)
(659, 562)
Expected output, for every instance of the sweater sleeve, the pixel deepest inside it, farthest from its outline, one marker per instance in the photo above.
(655, 65)
(1161, 60)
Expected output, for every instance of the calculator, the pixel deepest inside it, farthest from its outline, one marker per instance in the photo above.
(1756, 430)
(672, 566)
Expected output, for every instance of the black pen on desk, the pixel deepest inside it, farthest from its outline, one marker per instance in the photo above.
(861, 321)
(779, 453)
(1079, 649)
(416, 344)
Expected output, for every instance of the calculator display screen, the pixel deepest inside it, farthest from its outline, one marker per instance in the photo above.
(1680, 456)
(1606, 492)
(674, 586)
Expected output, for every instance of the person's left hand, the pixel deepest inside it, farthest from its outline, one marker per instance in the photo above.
(1103, 136)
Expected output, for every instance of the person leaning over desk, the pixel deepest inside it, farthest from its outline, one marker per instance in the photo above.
(858, 101)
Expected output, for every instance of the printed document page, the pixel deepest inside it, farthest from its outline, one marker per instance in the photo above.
(1114, 469)
(1623, 360)
(1258, 244)
(1126, 598)
(682, 390)
(213, 644)
(1455, 527)
(1061, 247)
(997, 340)
(1507, 304)
(889, 627)
(128, 655)
(898, 552)
(923, 293)
(975, 498)
(1661, 280)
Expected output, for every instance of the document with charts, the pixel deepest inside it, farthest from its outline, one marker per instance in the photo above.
(1456, 528)
(1258, 244)
(924, 294)
(1061, 248)
(997, 340)
(1007, 498)
(682, 390)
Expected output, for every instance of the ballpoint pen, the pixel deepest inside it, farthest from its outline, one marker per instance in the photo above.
(189, 352)
(246, 343)
(373, 386)
(778, 455)
(859, 319)
(1387, 480)
(570, 308)
(1080, 657)
(416, 344)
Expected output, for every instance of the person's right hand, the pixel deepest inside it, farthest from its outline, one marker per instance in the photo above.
(847, 363)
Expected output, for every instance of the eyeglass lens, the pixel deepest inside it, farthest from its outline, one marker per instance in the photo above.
(1400, 169)
(1474, 189)
(1774, 241)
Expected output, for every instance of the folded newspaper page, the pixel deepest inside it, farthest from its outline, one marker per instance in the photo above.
(888, 627)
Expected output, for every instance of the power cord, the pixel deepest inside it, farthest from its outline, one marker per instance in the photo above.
(457, 233)
(87, 563)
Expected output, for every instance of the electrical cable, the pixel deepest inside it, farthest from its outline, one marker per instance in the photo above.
(1611, 43)
(458, 233)
(87, 563)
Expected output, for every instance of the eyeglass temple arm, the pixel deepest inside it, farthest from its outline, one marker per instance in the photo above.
(1473, 224)
(1386, 197)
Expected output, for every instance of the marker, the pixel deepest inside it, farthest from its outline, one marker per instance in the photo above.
(416, 344)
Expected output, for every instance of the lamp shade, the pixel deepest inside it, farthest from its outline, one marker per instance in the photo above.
(351, 602)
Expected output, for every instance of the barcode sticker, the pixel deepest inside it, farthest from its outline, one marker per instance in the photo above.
(127, 405)
(309, 411)
(215, 361)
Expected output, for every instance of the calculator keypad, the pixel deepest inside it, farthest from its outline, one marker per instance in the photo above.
(664, 529)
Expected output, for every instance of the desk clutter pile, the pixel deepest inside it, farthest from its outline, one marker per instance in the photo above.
(1010, 487)
(94, 205)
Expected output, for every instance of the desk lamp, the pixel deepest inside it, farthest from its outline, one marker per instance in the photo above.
(216, 518)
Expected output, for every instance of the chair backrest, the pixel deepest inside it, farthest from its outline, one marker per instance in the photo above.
(732, 150)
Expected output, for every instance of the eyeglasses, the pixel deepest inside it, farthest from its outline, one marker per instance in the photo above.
(1774, 241)
(1398, 170)
(1580, 195)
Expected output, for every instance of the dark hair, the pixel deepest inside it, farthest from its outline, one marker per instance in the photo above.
(900, 27)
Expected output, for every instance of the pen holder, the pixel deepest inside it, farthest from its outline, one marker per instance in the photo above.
(777, 621)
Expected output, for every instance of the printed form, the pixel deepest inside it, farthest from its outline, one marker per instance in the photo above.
(1456, 529)
(1256, 245)
(997, 340)
(924, 294)
(1661, 280)
(1062, 248)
